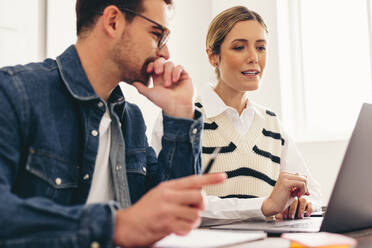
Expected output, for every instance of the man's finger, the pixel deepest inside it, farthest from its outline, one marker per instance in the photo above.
(159, 66)
(187, 197)
(168, 69)
(187, 213)
(150, 68)
(182, 227)
(197, 181)
(177, 73)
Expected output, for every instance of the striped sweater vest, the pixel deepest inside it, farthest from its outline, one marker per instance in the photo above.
(251, 161)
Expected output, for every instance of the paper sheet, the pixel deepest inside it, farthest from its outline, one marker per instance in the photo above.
(208, 238)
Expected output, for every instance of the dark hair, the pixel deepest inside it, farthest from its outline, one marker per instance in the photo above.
(222, 24)
(87, 11)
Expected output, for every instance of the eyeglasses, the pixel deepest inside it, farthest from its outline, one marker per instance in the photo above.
(163, 38)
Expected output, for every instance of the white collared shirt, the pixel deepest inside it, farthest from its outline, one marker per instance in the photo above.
(291, 161)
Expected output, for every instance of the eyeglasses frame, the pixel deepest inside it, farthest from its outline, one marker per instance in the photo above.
(164, 30)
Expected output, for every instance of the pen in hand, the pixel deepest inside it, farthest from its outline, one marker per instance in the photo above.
(211, 161)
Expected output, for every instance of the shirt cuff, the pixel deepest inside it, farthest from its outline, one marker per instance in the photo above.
(232, 208)
(183, 130)
(97, 225)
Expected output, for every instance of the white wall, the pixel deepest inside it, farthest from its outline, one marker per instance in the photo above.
(20, 37)
(61, 26)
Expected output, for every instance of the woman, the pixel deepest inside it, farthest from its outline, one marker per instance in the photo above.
(255, 148)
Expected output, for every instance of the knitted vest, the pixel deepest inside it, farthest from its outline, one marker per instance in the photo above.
(251, 161)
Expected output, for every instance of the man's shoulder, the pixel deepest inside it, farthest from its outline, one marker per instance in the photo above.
(133, 111)
(47, 66)
(132, 106)
(32, 73)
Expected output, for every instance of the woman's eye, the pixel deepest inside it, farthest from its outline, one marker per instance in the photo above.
(238, 48)
(261, 48)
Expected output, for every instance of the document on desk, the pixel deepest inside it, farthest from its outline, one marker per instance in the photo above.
(204, 238)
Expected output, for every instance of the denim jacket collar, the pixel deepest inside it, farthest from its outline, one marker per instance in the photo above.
(76, 81)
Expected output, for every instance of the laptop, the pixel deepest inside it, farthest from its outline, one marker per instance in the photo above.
(350, 205)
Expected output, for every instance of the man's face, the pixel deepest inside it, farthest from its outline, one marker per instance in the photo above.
(138, 45)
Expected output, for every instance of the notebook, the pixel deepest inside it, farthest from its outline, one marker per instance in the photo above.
(208, 238)
(350, 204)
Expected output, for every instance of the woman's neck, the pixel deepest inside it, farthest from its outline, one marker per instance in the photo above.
(231, 97)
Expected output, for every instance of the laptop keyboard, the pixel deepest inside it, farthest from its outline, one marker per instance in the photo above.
(303, 223)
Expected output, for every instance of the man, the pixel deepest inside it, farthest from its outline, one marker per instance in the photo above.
(75, 166)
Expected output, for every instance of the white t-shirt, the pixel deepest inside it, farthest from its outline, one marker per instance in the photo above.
(101, 189)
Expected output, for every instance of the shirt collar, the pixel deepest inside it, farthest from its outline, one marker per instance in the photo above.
(214, 106)
(76, 81)
(212, 103)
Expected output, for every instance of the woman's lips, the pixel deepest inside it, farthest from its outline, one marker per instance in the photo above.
(251, 73)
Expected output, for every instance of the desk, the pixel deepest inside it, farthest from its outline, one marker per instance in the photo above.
(364, 238)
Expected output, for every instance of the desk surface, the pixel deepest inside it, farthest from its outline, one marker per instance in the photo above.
(363, 237)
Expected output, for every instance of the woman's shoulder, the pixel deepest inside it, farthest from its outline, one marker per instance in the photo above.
(264, 111)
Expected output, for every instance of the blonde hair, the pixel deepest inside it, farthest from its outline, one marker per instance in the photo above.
(222, 24)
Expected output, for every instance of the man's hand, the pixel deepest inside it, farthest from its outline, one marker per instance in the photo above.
(171, 207)
(281, 194)
(173, 90)
(299, 208)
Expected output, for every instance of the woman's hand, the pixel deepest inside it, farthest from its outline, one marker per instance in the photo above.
(299, 208)
(286, 186)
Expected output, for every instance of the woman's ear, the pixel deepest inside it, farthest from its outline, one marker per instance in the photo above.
(213, 58)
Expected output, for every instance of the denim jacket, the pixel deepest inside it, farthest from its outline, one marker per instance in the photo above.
(49, 117)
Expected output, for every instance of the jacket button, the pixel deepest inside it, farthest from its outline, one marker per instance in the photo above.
(58, 181)
(94, 133)
(94, 244)
(144, 169)
(86, 177)
(100, 104)
(195, 131)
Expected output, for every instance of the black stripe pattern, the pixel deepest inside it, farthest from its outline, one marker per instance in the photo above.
(273, 135)
(273, 158)
(210, 126)
(270, 113)
(245, 171)
(239, 196)
(198, 104)
(225, 149)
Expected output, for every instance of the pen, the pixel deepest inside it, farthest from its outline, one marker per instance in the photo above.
(211, 161)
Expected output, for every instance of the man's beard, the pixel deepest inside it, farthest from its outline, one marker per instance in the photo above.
(143, 77)
(125, 56)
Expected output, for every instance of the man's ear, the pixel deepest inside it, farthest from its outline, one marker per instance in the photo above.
(113, 21)
(213, 58)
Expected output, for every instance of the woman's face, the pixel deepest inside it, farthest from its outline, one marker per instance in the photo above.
(243, 55)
